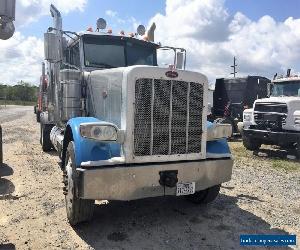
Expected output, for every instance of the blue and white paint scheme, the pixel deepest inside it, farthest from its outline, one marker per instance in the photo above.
(93, 152)
(89, 149)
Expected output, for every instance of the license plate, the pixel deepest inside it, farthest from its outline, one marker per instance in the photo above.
(185, 188)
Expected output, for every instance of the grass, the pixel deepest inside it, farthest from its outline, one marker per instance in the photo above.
(17, 102)
(285, 165)
(271, 157)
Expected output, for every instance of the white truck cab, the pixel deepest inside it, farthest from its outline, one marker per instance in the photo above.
(275, 120)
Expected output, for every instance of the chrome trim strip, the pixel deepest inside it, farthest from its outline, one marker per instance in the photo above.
(187, 118)
(152, 107)
(170, 118)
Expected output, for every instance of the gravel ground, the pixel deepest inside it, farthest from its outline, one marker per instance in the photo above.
(263, 197)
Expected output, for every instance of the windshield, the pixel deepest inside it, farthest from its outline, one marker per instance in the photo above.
(291, 88)
(110, 53)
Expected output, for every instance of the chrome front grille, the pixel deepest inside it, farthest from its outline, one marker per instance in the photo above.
(270, 115)
(271, 107)
(168, 117)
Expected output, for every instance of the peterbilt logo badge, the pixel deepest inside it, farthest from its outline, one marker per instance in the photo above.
(172, 74)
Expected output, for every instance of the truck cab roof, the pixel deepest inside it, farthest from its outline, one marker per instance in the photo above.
(286, 79)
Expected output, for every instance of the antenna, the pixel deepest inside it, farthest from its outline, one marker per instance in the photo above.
(234, 66)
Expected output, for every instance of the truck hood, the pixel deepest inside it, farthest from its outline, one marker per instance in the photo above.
(283, 99)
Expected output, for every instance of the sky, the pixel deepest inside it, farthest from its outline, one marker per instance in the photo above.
(263, 35)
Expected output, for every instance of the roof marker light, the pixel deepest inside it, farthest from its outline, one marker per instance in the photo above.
(90, 29)
(146, 38)
(109, 31)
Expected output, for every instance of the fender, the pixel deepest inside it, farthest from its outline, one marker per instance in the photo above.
(87, 149)
(218, 148)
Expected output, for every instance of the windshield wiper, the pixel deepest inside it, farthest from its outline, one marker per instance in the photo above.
(101, 65)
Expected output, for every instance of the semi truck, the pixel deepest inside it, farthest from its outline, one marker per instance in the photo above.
(233, 95)
(123, 127)
(275, 120)
(41, 105)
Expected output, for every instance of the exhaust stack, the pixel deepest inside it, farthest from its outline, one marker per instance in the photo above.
(150, 32)
(57, 20)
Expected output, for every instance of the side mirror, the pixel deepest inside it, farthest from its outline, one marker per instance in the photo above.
(270, 88)
(179, 60)
(52, 47)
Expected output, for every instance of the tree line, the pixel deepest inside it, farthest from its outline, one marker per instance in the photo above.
(20, 92)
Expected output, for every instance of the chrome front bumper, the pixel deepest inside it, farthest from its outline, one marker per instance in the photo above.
(130, 182)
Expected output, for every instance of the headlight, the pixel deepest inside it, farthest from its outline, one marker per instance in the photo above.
(297, 120)
(247, 117)
(99, 131)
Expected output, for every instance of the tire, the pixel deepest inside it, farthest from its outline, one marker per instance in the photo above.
(45, 137)
(251, 144)
(298, 150)
(204, 196)
(78, 210)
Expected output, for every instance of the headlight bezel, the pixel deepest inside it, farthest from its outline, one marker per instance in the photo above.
(99, 131)
(247, 117)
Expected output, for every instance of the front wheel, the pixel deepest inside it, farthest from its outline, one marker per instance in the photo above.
(78, 210)
(205, 196)
(298, 150)
(250, 143)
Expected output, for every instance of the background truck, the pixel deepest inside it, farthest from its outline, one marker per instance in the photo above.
(42, 95)
(275, 120)
(125, 128)
(233, 95)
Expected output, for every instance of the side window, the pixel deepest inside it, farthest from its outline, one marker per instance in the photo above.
(67, 55)
(75, 55)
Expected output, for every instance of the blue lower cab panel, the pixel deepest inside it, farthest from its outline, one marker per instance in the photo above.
(220, 147)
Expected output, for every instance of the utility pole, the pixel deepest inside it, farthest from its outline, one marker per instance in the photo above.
(234, 66)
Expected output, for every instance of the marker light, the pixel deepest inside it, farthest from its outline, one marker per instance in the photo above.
(131, 34)
(90, 29)
(109, 31)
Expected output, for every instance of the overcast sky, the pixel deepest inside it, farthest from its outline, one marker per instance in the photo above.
(264, 35)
